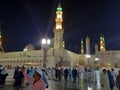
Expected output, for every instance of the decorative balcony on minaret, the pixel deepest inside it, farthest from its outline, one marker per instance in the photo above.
(102, 43)
(58, 31)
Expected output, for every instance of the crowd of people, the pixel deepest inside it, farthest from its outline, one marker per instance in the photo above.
(36, 78)
(109, 79)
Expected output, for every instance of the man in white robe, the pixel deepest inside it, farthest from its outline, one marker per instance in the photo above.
(104, 80)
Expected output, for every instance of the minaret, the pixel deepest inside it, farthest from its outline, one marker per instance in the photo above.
(96, 48)
(2, 50)
(82, 47)
(58, 31)
(87, 45)
(102, 43)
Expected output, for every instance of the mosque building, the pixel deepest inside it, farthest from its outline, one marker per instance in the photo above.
(104, 58)
(58, 56)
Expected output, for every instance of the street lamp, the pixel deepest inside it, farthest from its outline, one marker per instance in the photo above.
(45, 46)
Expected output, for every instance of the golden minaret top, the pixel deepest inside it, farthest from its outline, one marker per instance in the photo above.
(59, 18)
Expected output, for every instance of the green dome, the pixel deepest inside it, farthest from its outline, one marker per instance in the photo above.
(59, 9)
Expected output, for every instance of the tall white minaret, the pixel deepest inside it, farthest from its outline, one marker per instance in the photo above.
(58, 31)
(87, 45)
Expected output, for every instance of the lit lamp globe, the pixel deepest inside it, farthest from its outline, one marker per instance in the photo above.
(45, 42)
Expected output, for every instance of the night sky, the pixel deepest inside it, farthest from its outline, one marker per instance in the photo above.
(28, 21)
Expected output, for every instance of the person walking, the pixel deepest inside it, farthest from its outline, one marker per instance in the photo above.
(104, 80)
(56, 73)
(43, 77)
(31, 72)
(19, 78)
(111, 79)
(4, 74)
(53, 73)
(118, 80)
(113, 74)
(70, 74)
(36, 82)
(49, 73)
(66, 74)
(74, 74)
(60, 71)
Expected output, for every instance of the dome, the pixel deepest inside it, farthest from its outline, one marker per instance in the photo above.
(29, 47)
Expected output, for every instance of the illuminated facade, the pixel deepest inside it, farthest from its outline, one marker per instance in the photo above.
(102, 43)
(107, 59)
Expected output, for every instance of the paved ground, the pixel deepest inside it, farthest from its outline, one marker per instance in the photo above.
(53, 85)
(56, 85)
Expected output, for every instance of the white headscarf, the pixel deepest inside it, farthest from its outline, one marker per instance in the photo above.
(4, 71)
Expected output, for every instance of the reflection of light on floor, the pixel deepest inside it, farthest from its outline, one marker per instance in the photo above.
(98, 79)
(82, 84)
(89, 88)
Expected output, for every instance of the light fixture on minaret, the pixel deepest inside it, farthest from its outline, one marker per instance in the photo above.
(82, 47)
(102, 43)
(58, 31)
